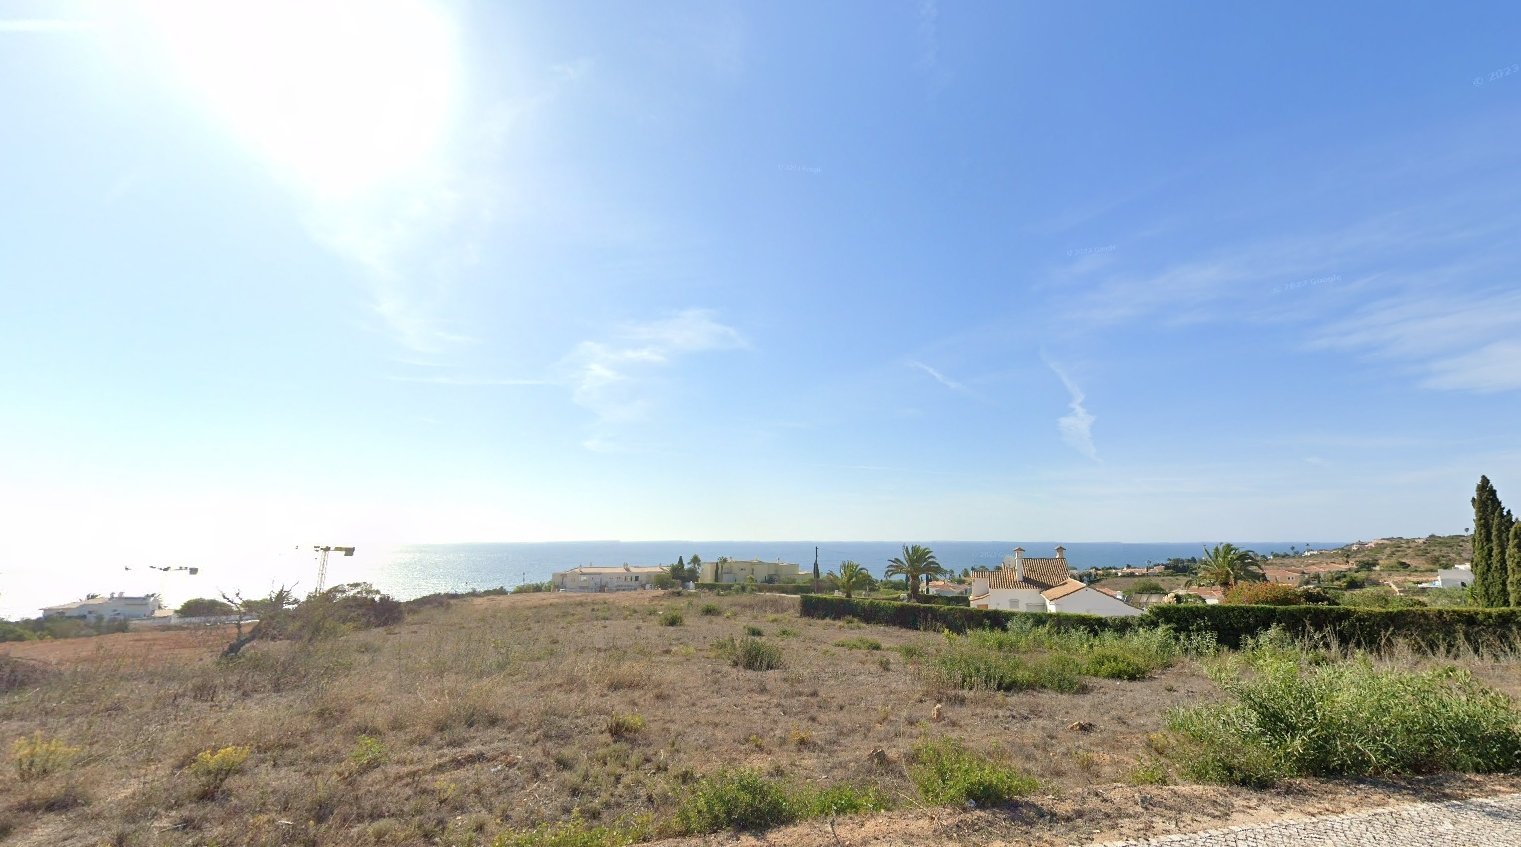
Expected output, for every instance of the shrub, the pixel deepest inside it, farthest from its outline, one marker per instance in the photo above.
(533, 588)
(948, 773)
(36, 756)
(859, 643)
(576, 832)
(1292, 719)
(1148, 586)
(204, 607)
(1364, 629)
(754, 631)
(624, 726)
(213, 768)
(926, 616)
(750, 653)
(710, 610)
(671, 617)
(368, 753)
(1261, 594)
(746, 800)
(741, 799)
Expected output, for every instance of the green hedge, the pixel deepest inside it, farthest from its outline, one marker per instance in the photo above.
(937, 600)
(1430, 629)
(1370, 629)
(933, 616)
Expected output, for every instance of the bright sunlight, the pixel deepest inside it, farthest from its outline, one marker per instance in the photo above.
(339, 95)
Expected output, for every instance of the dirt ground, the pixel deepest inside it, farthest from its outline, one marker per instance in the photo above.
(180, 645)
(493, 714)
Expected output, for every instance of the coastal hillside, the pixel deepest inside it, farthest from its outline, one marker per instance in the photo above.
(556, 720)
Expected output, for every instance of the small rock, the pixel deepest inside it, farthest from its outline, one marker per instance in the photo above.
(1080, 726)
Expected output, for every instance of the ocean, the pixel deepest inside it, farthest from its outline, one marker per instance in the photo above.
(412, 570)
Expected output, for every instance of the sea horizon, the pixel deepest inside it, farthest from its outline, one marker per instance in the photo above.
(410, 570)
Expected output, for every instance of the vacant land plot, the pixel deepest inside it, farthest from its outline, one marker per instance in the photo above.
(493, 716)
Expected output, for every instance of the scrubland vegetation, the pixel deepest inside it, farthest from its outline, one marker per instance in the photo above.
(546, 720)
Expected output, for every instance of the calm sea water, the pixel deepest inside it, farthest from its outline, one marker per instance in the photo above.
(408, 571)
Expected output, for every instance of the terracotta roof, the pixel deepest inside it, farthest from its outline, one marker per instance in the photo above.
(1040, 574)
(1071, 586)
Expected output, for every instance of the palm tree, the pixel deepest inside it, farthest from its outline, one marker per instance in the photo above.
(853, 577)
(917, 562)
(1226, 565)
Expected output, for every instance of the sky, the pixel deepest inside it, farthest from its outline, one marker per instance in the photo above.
(433, 270)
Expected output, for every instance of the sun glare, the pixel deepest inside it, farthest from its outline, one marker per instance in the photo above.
(340, 95)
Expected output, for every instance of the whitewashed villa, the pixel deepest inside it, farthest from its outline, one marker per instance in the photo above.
(1025, 584)
(595, 578)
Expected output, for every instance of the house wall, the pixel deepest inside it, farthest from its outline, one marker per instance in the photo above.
(1012, 599)
(118, 607)
(617, 581)
(1091, 602)
(1454, 577)
(740, 572)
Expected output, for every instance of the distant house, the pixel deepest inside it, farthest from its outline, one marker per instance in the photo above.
(941, 588)
(740, 571)
(1458, 577)
(112, 607)
(1042, 585)
(594, 578)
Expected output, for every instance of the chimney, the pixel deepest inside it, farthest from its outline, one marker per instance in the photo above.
(1061, 552)
(1019, 563)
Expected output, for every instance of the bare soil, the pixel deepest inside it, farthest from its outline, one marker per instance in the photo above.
(493, 714)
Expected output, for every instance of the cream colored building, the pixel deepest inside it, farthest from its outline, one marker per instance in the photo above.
(593, 578)
(740, 572)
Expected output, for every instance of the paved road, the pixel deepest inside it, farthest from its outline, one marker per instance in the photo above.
(1494, 821)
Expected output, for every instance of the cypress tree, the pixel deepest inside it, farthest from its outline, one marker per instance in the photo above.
(1513, 559)
(1499, 566)
(1483, 530)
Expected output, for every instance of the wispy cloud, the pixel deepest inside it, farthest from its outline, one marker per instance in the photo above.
(1076, 426)
(1448, 341)
(614, 378)
(939, 377)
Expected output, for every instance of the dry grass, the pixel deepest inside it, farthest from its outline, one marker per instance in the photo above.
(498, 715)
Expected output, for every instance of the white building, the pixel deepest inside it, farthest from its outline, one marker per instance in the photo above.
(1458, 577)
(1042, 585)
(113, 607)
(592, 578)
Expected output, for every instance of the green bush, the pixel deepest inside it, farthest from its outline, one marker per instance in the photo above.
(671, 617)
(1030, 657)
(710, 610)
(204, 607)
(369, 753)
(747, 800)
(533, 588)
(948, 773)
(755, 631)
(576, 832)
(750, 653)
(1261, 594)
(1293, 718)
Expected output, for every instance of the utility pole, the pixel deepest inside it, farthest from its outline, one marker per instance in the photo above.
(322, 551)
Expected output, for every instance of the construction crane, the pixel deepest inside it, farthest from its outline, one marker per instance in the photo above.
(322, 551)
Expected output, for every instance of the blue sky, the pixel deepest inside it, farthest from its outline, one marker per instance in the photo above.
(451, 271)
